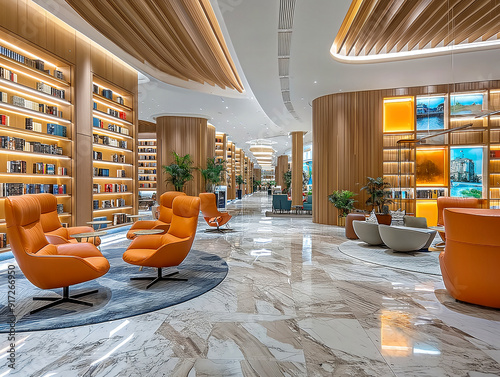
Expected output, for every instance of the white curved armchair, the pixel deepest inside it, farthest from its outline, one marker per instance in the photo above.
(401, 238)
(367, 232)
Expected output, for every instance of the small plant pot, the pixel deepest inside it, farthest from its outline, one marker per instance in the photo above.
(238, 193)
(383, 219)
(269, 192)
(341, 221)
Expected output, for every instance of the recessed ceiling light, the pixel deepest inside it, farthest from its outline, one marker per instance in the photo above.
(315, 82)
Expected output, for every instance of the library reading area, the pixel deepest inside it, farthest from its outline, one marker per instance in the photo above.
(249, 188)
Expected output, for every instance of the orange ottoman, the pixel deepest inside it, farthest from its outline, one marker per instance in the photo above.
(471, 258)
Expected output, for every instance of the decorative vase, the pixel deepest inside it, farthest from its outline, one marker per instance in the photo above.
(383, 219)
(341, 221)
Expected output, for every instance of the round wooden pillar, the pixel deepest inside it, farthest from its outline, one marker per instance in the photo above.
(297, 166)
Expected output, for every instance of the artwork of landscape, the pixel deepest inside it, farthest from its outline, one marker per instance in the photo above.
(466, 172)
(463, 104)
(430, 113)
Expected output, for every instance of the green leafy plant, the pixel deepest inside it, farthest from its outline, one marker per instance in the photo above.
(287, 179)
(239, 181)
(256, 184)
(343, 201)
(472, 193)
(212, 174)
(379, 197)
(180, 171)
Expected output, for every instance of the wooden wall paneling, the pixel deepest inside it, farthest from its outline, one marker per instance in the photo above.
(184, 135)
(281, 168)
(297, 166)
(210, 141)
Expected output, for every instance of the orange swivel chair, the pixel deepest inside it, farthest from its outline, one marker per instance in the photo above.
(211, 214)
(164, 219)
(471, 258)
(45, 265)
(170, 249)
(54, 231)
(444, 202)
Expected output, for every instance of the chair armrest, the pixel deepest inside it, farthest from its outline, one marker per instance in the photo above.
(79, 229)
(56, 240)
(153, 241)
(161, 225)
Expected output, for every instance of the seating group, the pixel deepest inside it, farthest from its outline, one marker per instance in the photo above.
(50, 259)
(281, 203)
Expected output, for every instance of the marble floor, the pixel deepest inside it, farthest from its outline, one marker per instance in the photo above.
(291, 305)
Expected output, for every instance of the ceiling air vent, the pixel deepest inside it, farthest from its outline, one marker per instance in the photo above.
(284, 41)
(285, 83)
(287, 7)
(283, 64)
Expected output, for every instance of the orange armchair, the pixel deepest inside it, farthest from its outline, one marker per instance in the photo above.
(45, 265)
(449, 202)
(164, 219)
(471, 258)
(170, 249)
(211, 214)
(54, 231)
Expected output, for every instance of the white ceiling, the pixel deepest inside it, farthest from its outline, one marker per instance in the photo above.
(251, 31)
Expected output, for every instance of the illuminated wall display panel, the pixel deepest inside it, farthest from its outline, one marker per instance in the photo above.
(427, 209)
(431, 113)
(466, 172)
(468, 103)
(431, 167)
(399, 114)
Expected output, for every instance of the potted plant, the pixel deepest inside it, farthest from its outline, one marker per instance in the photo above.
(180, 171)
(287, 180)
(344, 202)
(212, 174)
(256, 185)
(239, 182)
(379, 198)
(270, 185)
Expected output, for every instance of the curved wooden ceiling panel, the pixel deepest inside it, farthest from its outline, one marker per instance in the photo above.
(179, 37)
(374, 28)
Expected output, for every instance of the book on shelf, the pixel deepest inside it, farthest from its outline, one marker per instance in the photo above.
(120, 173)
(56, 129)
(99, 172)
(60, 208)
(12, 189)
(31, 125)
(4, 120)
(4, 97)
(96, 188)
(3, 240)
(119, 218)
(119, 100)
(16, 166)
(430, 193)
(95, 204)
(7, 74)
(47, 89)
(97, 155)
(107, 93)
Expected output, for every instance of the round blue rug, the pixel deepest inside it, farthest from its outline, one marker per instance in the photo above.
(118, 296)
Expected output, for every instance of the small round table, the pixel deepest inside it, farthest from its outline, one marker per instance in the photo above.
(440, 245)
(135, 217)
(80, 236)
(99, 223)
(145, 232)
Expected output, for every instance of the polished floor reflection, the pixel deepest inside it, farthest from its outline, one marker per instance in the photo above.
(291, 305)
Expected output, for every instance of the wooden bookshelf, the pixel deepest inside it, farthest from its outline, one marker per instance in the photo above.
(26, 103)
(407, 190)
(147, 175)
(114, 151)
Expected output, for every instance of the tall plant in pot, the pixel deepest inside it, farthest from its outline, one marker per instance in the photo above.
(212, 174)
(379, 198)
(239, 182)
(344, 202)
(180, 171)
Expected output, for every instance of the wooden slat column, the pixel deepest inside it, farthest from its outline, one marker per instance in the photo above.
(184, 135)
(281, 168)
(297, 162)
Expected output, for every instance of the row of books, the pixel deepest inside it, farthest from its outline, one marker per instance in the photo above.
(19, 144)
(147, 178)
(120, 173)
(33, 63)
(494, 153)
(12, 189)
(35, 106)
(57, 129)
(41, 168)
(120, 218)
(430, 194)
(147, 143)
(109, 187)
(47, 89)
(7, 74)
(31, 125)
(106, 140)
(147, 157)
(3, 240)
(117, 114)
(146, 171)
(98, 172)
(147, 164)
(107, 93)
(403, 194)
(147, 185)
(60, 208)
(147, 150)
(108, 203)
(99, 123)
(4, 120)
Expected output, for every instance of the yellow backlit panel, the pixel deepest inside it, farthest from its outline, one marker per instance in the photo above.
(432, 167)
(429, 210)
(399, 114)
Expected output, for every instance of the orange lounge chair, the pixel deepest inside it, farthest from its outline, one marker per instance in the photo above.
(45, 265)
(444, 202)
(54, 231)
(164, 219)
(471, 258)
(211, 214)
(170, 249)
